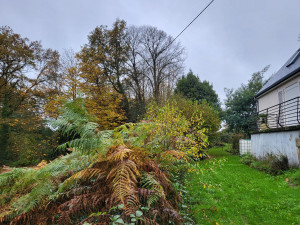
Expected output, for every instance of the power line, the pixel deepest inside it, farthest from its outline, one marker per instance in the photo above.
(192, 21)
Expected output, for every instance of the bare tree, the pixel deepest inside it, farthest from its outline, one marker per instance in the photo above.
(71, 75)
(138, 62)
(136, 77)
(163, 58)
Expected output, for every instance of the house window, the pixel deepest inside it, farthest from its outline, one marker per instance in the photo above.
(291, 104)
(292, 91)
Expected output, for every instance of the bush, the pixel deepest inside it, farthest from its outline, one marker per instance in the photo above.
(235, 141)
(248, 159)
(210, 119)
(225, 136)
(279, 163)
(179, 131)
(261, 166)
(128, 166)
(295, 178)
(272, 164)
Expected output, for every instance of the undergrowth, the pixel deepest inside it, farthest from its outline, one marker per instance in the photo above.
(295, 178)
(139, 166)
(272, 164)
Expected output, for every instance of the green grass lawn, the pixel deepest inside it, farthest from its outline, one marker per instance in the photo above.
(234, 193)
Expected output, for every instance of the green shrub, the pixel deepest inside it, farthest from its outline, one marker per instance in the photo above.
(295, 178)
(261, 165)
(225, 136)
(236, 141)
(278, 163)
(248, 159)
(210, 116)
(272, 164)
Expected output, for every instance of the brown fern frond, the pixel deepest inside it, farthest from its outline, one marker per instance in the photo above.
(100, 161)
(139, 155)
(120, 153)
(123, 179)
(85, 174)
(153, 167)
(81, 205)
(132, 203)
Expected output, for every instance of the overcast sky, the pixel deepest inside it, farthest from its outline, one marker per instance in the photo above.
(231, 40)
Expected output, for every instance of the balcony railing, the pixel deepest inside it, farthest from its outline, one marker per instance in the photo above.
(285, 114)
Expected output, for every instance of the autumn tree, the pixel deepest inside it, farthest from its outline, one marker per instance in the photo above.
(101, 80)
(25, 70)
(101, 100)
(106, 51)
(67, 85)
(71, 73)
(138, 63)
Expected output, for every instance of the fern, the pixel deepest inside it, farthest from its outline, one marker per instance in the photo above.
(121, 154)
(81, 176)
(105, 169)
(149, 182)
(123, 180)
(74, 123)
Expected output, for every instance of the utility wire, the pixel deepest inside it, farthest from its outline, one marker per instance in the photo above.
(192, 21)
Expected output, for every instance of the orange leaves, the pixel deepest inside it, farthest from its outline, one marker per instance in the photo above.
(53, 105)
(105, 106)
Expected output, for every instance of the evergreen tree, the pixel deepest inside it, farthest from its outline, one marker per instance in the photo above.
(191, 87)
(241, 104)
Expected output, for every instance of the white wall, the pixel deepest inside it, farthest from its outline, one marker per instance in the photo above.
(270, 98)
(277, 143)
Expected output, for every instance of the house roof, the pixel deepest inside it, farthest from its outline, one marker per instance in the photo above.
(290, 68)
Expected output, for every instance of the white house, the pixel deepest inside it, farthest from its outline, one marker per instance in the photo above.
(277, 125)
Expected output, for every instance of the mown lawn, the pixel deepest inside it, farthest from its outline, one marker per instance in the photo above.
(234, 193)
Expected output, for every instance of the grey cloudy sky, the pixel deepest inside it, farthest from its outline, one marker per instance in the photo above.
(231, 40)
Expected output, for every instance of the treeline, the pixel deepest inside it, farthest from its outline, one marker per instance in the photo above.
(118, 72)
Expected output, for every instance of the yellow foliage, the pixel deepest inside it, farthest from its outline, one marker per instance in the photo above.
(102, 100)
(179, 132)
(176, 154)
(41, 164)
(120, 154)
(123, 180)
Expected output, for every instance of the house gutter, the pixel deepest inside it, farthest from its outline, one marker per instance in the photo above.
(277, 82)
